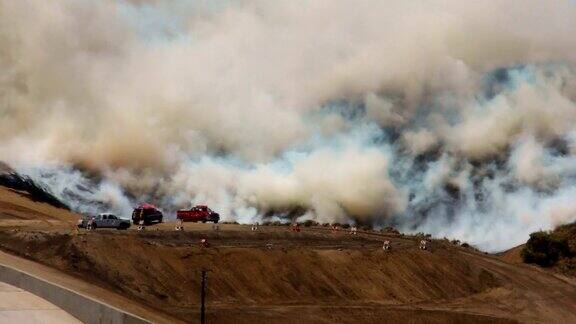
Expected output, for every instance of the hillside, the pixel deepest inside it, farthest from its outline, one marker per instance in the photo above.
(20, 207)
(314, 276)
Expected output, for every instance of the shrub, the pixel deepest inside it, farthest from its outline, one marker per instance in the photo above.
(544, 249)
(346, 226)
(366, 227)
(391, 230)
(309, 223)
(272, 223)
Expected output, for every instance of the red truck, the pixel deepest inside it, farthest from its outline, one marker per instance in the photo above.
(198, 213)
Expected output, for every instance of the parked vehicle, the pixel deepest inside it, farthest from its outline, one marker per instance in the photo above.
(105, 220)
(147, 213)
(198, 213)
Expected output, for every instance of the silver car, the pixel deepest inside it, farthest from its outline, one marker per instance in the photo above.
(105, 220)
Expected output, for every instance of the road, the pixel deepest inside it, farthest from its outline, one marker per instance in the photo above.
(19, 306)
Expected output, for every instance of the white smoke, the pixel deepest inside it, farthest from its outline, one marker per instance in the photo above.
(444, 116)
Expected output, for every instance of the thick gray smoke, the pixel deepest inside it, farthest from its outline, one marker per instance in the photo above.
(445, 116)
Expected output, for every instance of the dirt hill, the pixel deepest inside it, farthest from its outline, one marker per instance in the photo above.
(275, 276)
(9, 179)
(22, 207)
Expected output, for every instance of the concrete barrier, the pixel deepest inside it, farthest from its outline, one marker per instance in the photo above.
(84, 308)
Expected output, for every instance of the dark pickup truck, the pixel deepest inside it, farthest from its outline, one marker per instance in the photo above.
(147, 213)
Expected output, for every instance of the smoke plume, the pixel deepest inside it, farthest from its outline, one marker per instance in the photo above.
(444, 116)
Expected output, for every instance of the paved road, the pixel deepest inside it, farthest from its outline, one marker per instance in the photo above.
(22, 307)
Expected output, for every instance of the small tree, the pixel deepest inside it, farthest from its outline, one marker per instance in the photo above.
(366, 227)
(309, 223)
(544, 249)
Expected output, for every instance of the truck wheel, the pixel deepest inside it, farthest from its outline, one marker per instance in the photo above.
(93, 226)
(122, 226)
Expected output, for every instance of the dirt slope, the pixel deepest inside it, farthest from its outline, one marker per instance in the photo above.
(16, 207)
(513, 255)
(314, 276)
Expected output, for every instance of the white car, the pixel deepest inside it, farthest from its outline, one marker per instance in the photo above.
(105, 220)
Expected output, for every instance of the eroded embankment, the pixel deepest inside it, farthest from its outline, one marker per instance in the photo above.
(312, 272)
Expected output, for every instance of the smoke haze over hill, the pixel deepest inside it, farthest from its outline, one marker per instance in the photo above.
(451, 117)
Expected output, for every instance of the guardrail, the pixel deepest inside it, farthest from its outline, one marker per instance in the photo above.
(84, 308)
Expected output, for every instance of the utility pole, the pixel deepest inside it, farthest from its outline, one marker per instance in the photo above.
(203, 298)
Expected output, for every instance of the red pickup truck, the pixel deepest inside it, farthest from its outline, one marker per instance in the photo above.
(198, 213)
